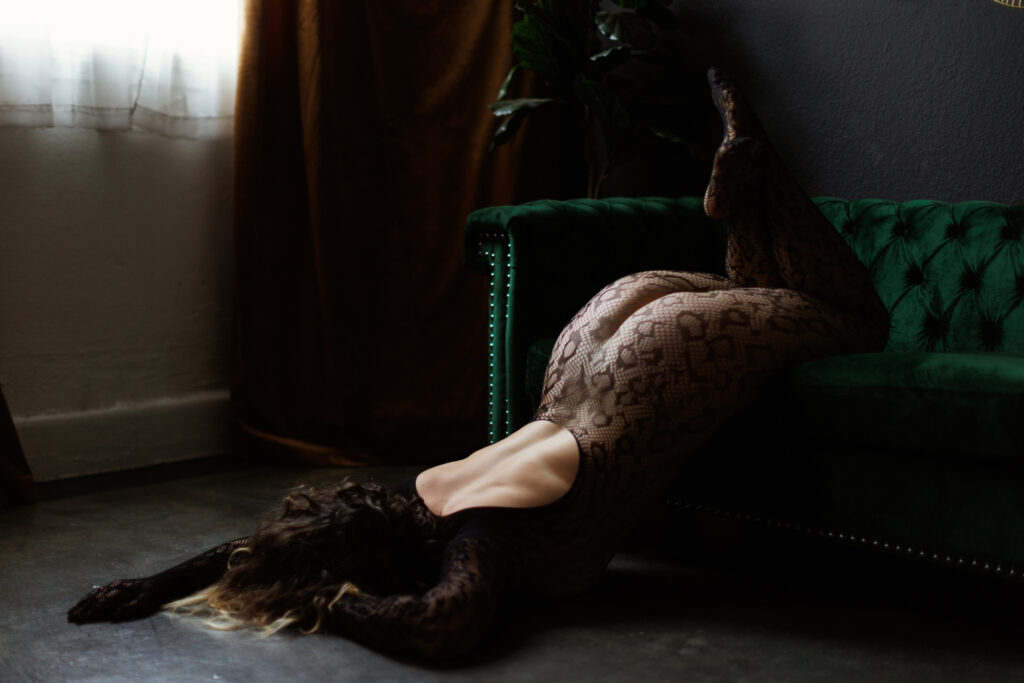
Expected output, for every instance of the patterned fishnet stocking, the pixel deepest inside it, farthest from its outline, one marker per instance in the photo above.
(651, 367)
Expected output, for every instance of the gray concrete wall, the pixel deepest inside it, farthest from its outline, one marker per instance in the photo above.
(902, 99)
(115, 295)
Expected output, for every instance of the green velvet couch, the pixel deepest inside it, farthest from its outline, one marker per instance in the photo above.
(916, 450)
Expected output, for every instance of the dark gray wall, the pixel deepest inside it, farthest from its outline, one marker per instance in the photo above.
(902, 99)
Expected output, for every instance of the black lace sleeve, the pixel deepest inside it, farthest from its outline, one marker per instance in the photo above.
(439, 624)
(126, 599)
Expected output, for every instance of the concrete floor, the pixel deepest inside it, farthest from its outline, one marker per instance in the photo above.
(656, 616)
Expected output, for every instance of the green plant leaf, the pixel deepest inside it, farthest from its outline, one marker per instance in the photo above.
(609, 59)
(507, 129)
(531, 46)
(527, 7)
(626, 27)
(507, 83)
(522, 104)
(666, 135)
(515, 112)
(669, 136)
(541, 45)
(655, 11)
(641, 4)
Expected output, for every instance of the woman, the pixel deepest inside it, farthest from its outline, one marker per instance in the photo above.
(647, 371)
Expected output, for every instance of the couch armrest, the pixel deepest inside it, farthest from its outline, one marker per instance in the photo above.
(545, 259)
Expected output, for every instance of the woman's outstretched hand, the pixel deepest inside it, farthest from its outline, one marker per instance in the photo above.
(127, 599)
(120, 600)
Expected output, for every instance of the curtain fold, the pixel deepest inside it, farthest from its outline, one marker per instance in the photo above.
(361, 144)
(16, 484)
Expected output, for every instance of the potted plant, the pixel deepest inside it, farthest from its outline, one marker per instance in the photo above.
(577, 52)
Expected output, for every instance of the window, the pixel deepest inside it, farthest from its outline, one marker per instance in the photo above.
(168, 66)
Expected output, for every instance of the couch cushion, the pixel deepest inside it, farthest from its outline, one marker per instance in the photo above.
(954, 402)
(951, 275)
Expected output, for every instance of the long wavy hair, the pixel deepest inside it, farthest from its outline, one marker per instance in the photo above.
(318, 544)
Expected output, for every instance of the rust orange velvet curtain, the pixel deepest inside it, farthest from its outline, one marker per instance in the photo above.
(362, 135)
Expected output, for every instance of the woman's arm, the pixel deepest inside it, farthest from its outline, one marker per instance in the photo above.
(126, 599)
(443, 622)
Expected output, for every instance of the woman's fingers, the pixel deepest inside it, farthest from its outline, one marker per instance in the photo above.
(107, 602)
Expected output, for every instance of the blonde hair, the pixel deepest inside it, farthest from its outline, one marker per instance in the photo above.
(223, 611)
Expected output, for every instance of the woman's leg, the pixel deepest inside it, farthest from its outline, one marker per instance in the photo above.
(655, 362)
(681, 365)
(569, 379)
(546, 444)
(650, 368)
(778, 238)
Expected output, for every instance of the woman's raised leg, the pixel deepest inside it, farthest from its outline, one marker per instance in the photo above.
(778, 238)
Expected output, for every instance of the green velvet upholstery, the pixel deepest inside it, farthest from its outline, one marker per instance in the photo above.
(969, 402)
(951, 275)
(919, 447)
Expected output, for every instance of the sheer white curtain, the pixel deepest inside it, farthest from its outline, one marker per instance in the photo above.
(168, 66)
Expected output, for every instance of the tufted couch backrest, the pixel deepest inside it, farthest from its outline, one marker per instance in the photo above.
(951, 275)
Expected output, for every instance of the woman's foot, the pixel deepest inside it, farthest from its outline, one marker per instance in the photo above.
(735, 177)
(738, 118)
(739, 160)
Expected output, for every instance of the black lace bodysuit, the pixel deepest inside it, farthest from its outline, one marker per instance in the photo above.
(644, 374)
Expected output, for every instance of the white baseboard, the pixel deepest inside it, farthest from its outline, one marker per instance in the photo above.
(123, 437)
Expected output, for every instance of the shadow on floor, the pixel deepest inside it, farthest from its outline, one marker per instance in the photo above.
(833, 595)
